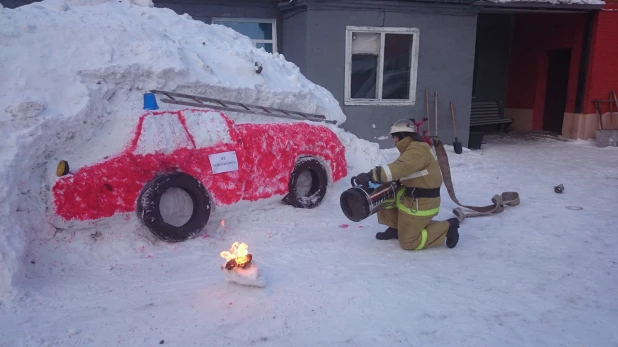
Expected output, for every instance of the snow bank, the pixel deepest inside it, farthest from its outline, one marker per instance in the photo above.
(363, 155)
(73, 75)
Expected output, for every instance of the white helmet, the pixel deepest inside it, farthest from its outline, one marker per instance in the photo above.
(403, 126)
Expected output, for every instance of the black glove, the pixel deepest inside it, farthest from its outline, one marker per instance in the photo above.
(364, 178)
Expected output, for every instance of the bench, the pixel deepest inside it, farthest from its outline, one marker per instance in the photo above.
(487, 113)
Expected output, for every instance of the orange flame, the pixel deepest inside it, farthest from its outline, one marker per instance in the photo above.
(238, 251)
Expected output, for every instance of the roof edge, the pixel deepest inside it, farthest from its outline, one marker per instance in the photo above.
(535, 5)
(454, 6)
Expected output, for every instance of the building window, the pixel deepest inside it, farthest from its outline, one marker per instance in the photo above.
(262, 32)
(381, 65)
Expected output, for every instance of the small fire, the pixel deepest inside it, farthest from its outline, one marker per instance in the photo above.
(237, 256)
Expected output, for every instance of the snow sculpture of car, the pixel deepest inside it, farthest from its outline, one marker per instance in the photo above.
(211, 158)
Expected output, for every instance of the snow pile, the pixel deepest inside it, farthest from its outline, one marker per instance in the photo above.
(363, 155)
(249, 276)
(73, 77)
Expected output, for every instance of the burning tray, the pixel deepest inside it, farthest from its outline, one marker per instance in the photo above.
(239, 266)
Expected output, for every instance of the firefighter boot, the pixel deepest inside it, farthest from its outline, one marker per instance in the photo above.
(452, 235)
(390, 233)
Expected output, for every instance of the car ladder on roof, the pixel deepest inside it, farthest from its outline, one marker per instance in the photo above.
(217, 104)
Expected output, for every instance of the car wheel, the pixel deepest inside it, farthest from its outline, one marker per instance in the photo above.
(308, 183)
(174, 206)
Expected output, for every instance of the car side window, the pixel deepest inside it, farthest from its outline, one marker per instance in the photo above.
(208, 128)
(162, 133)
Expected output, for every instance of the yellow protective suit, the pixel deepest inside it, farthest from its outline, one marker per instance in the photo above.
(416, 167)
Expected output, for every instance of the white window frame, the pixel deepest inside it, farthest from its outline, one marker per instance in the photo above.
(273, 22)
(415, 32)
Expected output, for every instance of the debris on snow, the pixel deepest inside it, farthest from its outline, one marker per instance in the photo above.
(559, 189)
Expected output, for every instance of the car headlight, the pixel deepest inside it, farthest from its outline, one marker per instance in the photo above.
(62, 168)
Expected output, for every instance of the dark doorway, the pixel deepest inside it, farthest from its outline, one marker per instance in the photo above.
(558, 64)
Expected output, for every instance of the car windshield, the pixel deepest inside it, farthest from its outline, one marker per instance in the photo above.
(162, 133)
(208, 128)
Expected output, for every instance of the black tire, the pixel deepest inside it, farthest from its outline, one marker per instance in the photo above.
(319, 182)
(148, 209)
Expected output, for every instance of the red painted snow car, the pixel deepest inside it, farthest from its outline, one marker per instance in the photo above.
(209, 157)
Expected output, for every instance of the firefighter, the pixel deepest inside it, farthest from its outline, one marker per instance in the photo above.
(417, 198)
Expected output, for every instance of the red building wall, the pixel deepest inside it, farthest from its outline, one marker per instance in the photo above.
(533, 36)
(603, 65)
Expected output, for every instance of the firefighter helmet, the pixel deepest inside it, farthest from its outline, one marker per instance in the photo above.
(403, 126)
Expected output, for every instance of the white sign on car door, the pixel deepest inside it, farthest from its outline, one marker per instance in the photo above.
(223, 162)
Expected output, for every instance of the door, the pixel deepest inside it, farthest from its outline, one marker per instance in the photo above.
(219, 159)
(558, 63)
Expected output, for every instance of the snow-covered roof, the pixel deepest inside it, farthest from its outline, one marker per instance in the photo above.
(544, 2)
(555, 2)
(389, 3)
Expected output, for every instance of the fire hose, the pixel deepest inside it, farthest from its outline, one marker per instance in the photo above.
(359, 202)
(498, 201)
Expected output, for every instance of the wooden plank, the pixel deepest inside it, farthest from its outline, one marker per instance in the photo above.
(488, 106)
(194, 104)
(490, 122)
(486, 117)
(200, 101)
(485, 108)
(486, 113)
(490, 119)
(480, 115)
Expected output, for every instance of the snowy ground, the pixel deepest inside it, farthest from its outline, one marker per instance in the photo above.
(540, 274)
